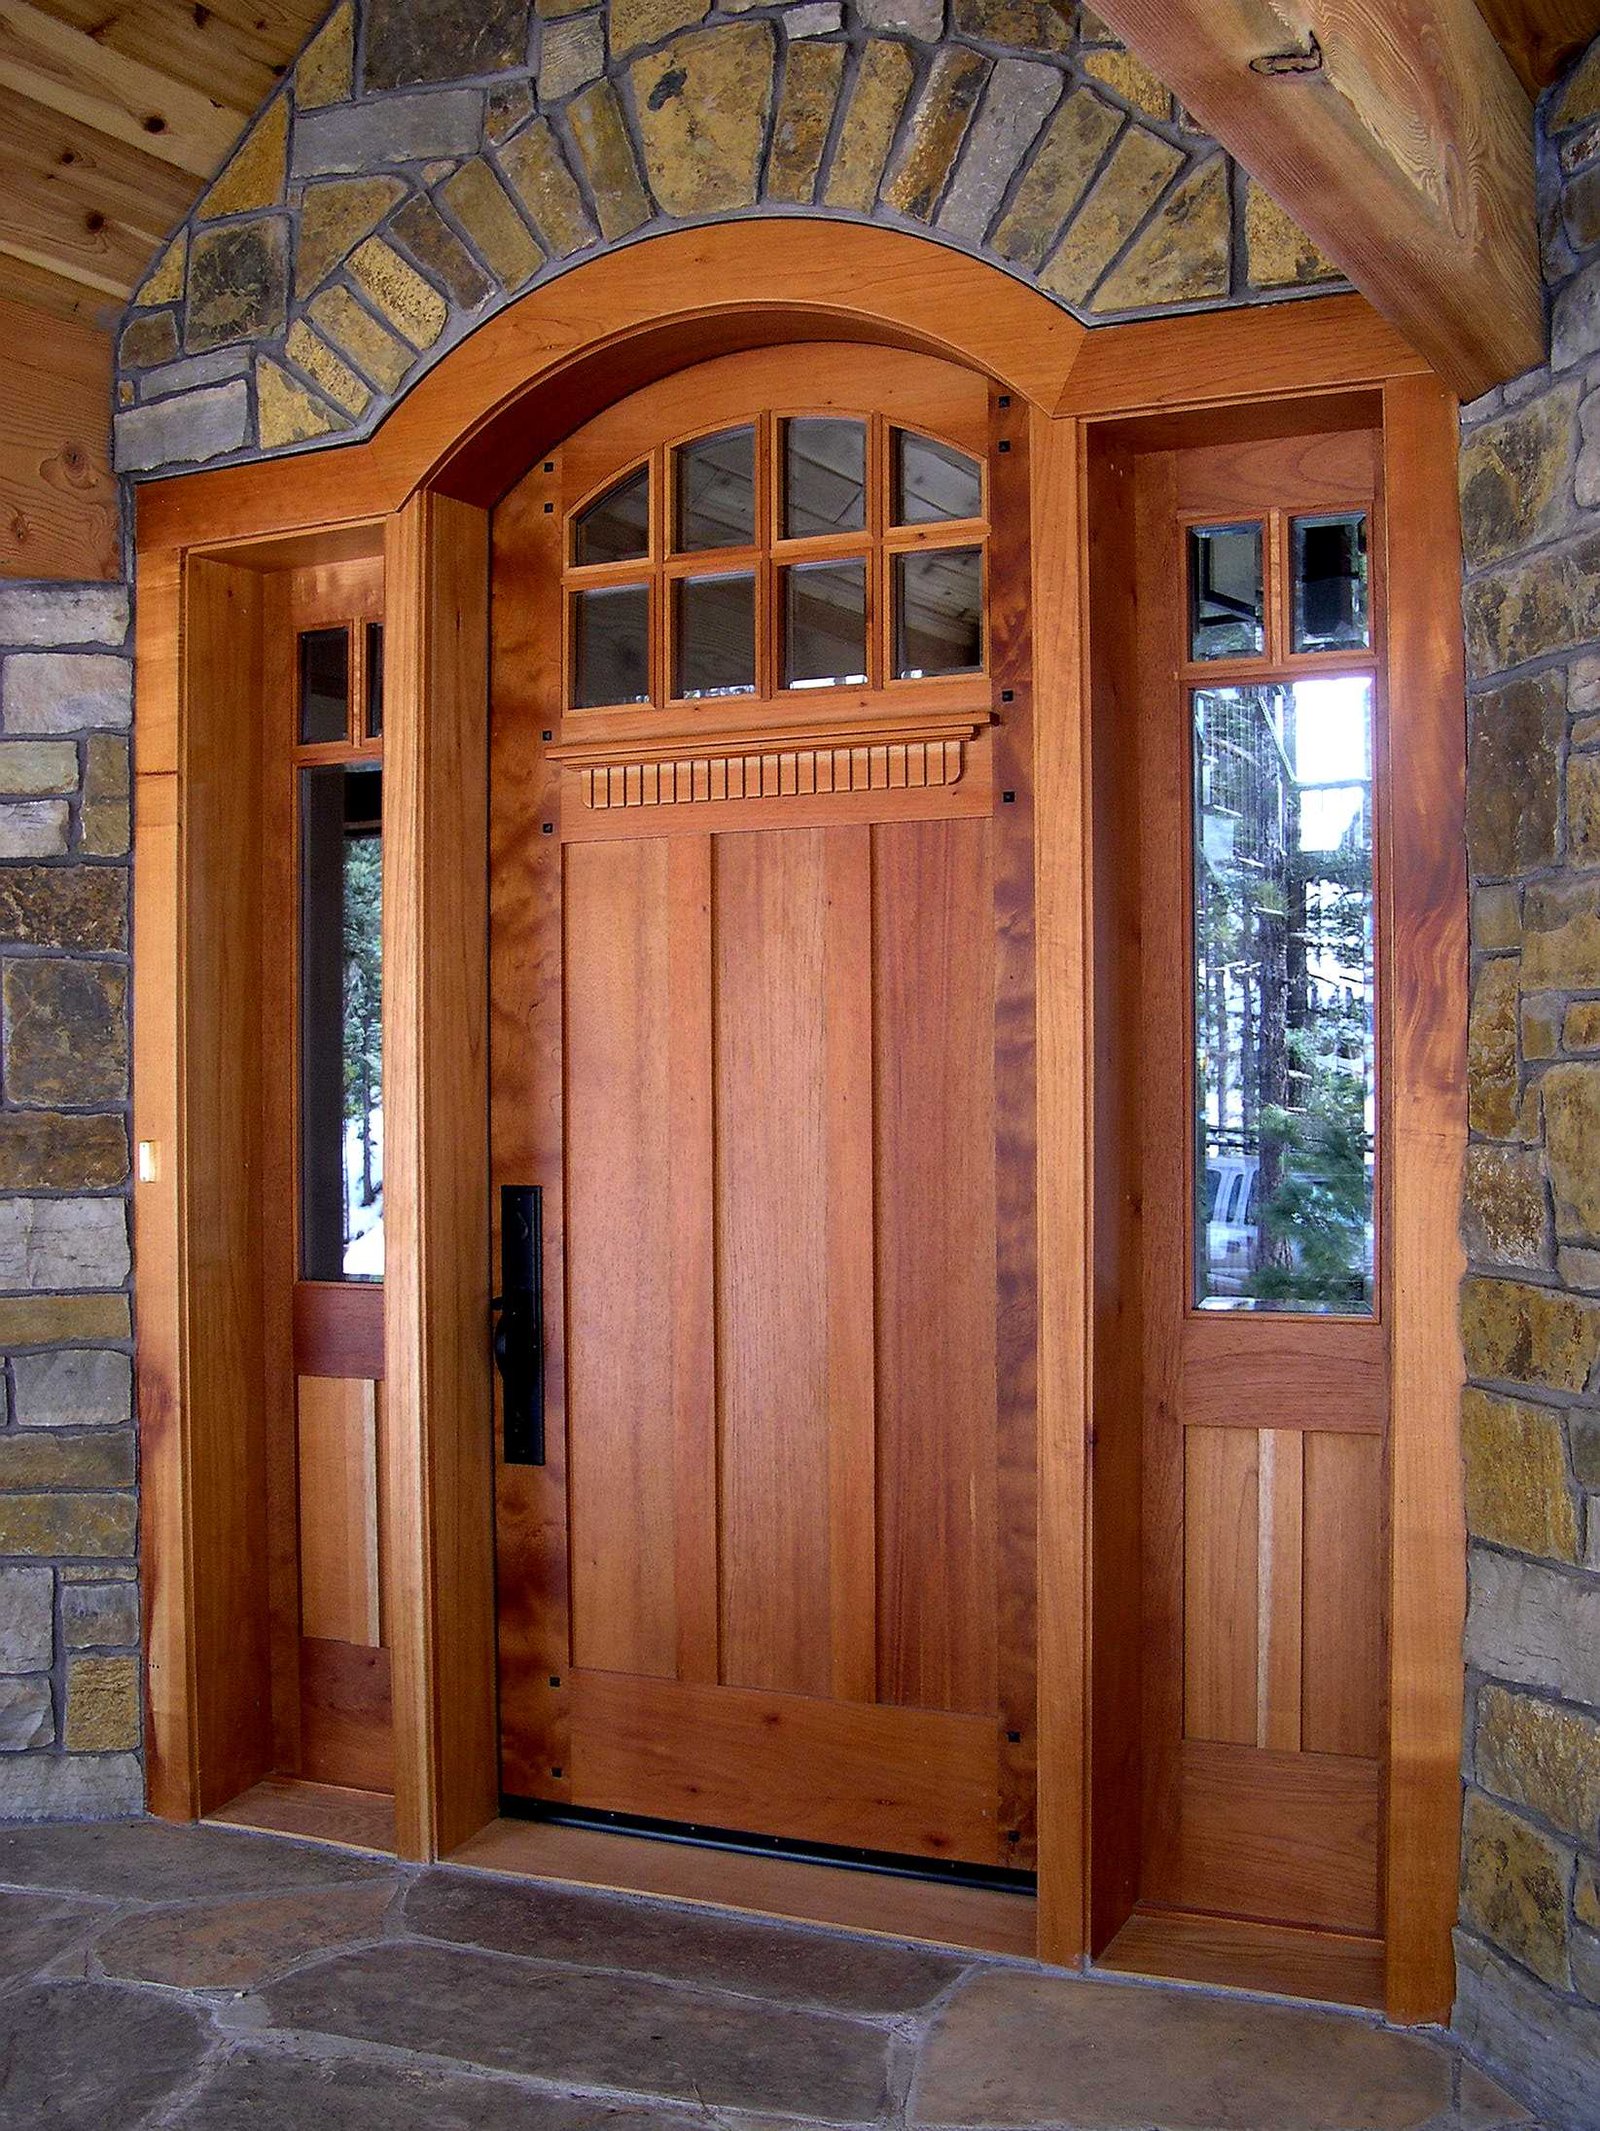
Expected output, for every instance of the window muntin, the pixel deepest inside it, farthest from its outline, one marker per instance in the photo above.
(779, 568)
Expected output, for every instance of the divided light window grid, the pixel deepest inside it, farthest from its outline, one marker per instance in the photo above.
(791, 553)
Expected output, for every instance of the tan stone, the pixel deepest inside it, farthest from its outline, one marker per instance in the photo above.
(329, 372)
(49, 1320)
(1581, 98)
(1581, 1029)
(102, 1704)
(31, 768)
(96, 1527)
(1541, 1027)
(1133, 81)
(606, 150)
(1125, 191)
(1505, 1214)
(812, 75)
(333, 219)
(636, 23)
(936, 130)
(1516, 1471)
(877, 98)
(483, 207)
(1514, 1888)
(509, 105)
(235, 1944)
(1031, 25)
(148, 340)
(1572, 1146)
(536, 171)
(1278, 253)
(1513, 790)
(164, 282)
(1185, 255)
(1058, 177)
(1586, 1898)
(326, 71)
(1493, 1086)
(1529, 1335)
(1496, 917)
(41, 1150)
(40, 1457)
(370, 346)
(253, 176)
(1515, 477)
(1561, 936)
(287, 413)
(410, 304)
(703, 105)
(104, 814)
(1583, 810)
(1541, 1756)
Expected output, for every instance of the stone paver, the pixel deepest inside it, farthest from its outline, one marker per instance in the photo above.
(155, 1978)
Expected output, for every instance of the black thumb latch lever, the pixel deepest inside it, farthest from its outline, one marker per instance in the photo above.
(519, 1328)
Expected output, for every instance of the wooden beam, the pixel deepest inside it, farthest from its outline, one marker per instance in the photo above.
(58, 500)
(81, 204)
(236, 51)
(70, 73)
(1405, 149)
(1541, 38)
(46, 290)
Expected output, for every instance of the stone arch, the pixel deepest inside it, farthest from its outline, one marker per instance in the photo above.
(426, 162)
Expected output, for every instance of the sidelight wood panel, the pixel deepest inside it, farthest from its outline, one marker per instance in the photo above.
(337, 1443)
(1286, 1838)
(1221, 1558)
(1342, 1689)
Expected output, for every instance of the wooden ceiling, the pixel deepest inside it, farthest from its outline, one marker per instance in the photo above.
(114, 113)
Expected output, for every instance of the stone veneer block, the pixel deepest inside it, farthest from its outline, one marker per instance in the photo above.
(31, 768)
(605, 149)
(1516, 478)
(148, 339)
(1583, 810)
(1278, 253)
(286, 412)
(39, 1320)
(351, 140)
(47, 1457)
(410, 41)
(1032, 25)
(66, 1031)
(937, 128)
(192, 371)
(65, 691)
(1185, 255)
(1127, 76)
(75, 1387)
(34, 828)
(70, 1787)
(100, 1615)
(703, 105)
(1139, 171)
(103, 818)
(536, 170)
(1543, 1757)
(164, 282)
(483, 207)
(27, 1625)
(374, 350)
(572, 53)
(334, 216)
(1550, 2045)
(238, 283)
(63, 614)
(1021, 97)
(1516, 1475)
(176, 432)
(1494, 1086)
(1561, 936)
(511, 104)
(253, 176)
(633, 24)
(326, 70)
(63, 1243)
(1058, 177)
(1571, 1095)
(411, 305)
(427, 237)
(812, 74)
(27, 1718)
(1523, 611)
(327, 371)
(1514, 1333)
(64, 907)
(1514, 1888)
(922, 19)
(89, 1527)
(883, 77)
(102, 1705)
(1506, 1208)
(41, 1150)
(1532, 1625)
(1514, 791)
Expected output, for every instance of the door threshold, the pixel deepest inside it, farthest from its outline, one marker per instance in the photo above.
(331, 1813)
(885, 1905)
(1232, 1953)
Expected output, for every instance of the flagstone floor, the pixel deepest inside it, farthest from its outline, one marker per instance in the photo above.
(207, 1980)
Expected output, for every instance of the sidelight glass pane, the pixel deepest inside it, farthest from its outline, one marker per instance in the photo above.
(716, 498)
(324, 685)
(825, 625)
(1328, 563)
(714, 636)
(611, 646)
(1285, 1067)
(938, 612)
(616, 526)
(824, 476)
(934, 482)
(1227, 617)
(341, 1028)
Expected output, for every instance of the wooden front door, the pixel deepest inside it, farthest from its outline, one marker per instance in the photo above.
(761, 981)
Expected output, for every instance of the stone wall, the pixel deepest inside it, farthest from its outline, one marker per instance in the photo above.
(429, 160)
(1528, 1948)
(69, 1606)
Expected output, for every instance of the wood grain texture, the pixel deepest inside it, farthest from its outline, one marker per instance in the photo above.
(1284, 1838)
(59, 516)
(82, 203)
(1344, 1613)
(343, 1818)
(1541, 38)
(1221, 1595)
(346, 1720)
(337, 1437)
(1325, 1966)
(1427, 872)
(1408, 156)
(436, 1449)
(338, 1328)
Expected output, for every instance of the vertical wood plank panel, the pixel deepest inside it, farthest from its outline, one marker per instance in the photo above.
(933, 956)
(337, 1445)
(1221, 1552)
(1280, 1496)
(1342, 1690)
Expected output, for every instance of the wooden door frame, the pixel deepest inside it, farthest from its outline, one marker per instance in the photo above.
(420, 491)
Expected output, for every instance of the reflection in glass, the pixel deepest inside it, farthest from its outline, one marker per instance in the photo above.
(611, 646)
(825, 625)
(716, 500)
(934, 482)
(714, 636)
(938, 612)
(1226, 614)
(824, 476)
(616, 526)
(341, 1024)
(374, 680)
(1285, 1086)
(324, 685)
(1328, 564)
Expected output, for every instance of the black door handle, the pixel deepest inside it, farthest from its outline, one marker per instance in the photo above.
(519, 1329)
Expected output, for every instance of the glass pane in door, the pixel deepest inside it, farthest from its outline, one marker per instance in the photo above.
(825, 625)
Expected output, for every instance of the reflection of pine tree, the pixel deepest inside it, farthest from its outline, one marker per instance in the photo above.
(363, 995)
(1321, 1196)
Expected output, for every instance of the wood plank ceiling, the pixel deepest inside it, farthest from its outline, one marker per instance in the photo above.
(114, 113)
